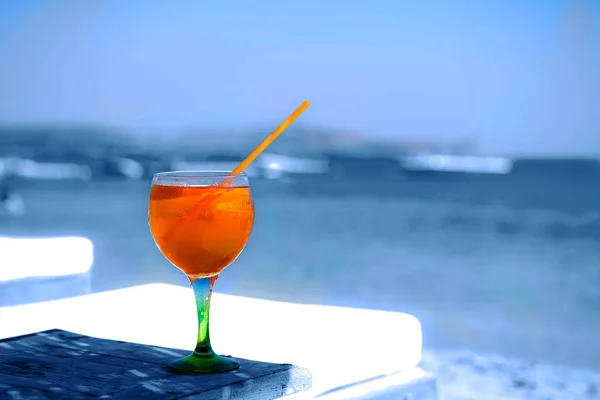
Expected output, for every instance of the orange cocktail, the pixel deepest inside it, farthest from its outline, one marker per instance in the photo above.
(201, 222)
(212, 239)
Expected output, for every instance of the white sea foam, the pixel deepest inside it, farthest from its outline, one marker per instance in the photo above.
(468, 375)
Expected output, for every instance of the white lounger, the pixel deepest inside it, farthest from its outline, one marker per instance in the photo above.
(34, 269)
(339, 346)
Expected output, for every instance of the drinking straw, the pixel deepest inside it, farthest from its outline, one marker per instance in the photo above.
(269, 139)
(243, 165)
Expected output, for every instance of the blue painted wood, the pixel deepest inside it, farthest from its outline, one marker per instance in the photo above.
(59, 364)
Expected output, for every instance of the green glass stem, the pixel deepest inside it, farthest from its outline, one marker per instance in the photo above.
(203, 293)
(203, 360)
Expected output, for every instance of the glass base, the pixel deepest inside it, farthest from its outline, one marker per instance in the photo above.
(197, 363)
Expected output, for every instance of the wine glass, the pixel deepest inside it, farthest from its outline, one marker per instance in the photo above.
(201, 222)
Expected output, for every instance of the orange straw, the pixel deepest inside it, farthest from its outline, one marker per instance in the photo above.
(244, 164)
(269, 139)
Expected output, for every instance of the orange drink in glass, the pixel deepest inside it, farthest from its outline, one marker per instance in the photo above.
(201, 222)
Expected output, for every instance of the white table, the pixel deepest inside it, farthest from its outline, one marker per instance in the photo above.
(339, 346)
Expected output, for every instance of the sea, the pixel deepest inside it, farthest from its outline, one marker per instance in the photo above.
(506, 264)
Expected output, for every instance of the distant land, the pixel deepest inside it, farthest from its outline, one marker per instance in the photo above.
(23, 140)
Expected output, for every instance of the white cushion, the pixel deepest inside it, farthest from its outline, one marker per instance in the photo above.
(44, 257)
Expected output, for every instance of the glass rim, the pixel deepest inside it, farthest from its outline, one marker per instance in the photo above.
(198, 174)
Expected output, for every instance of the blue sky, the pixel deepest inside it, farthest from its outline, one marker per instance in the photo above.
(499, 70)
